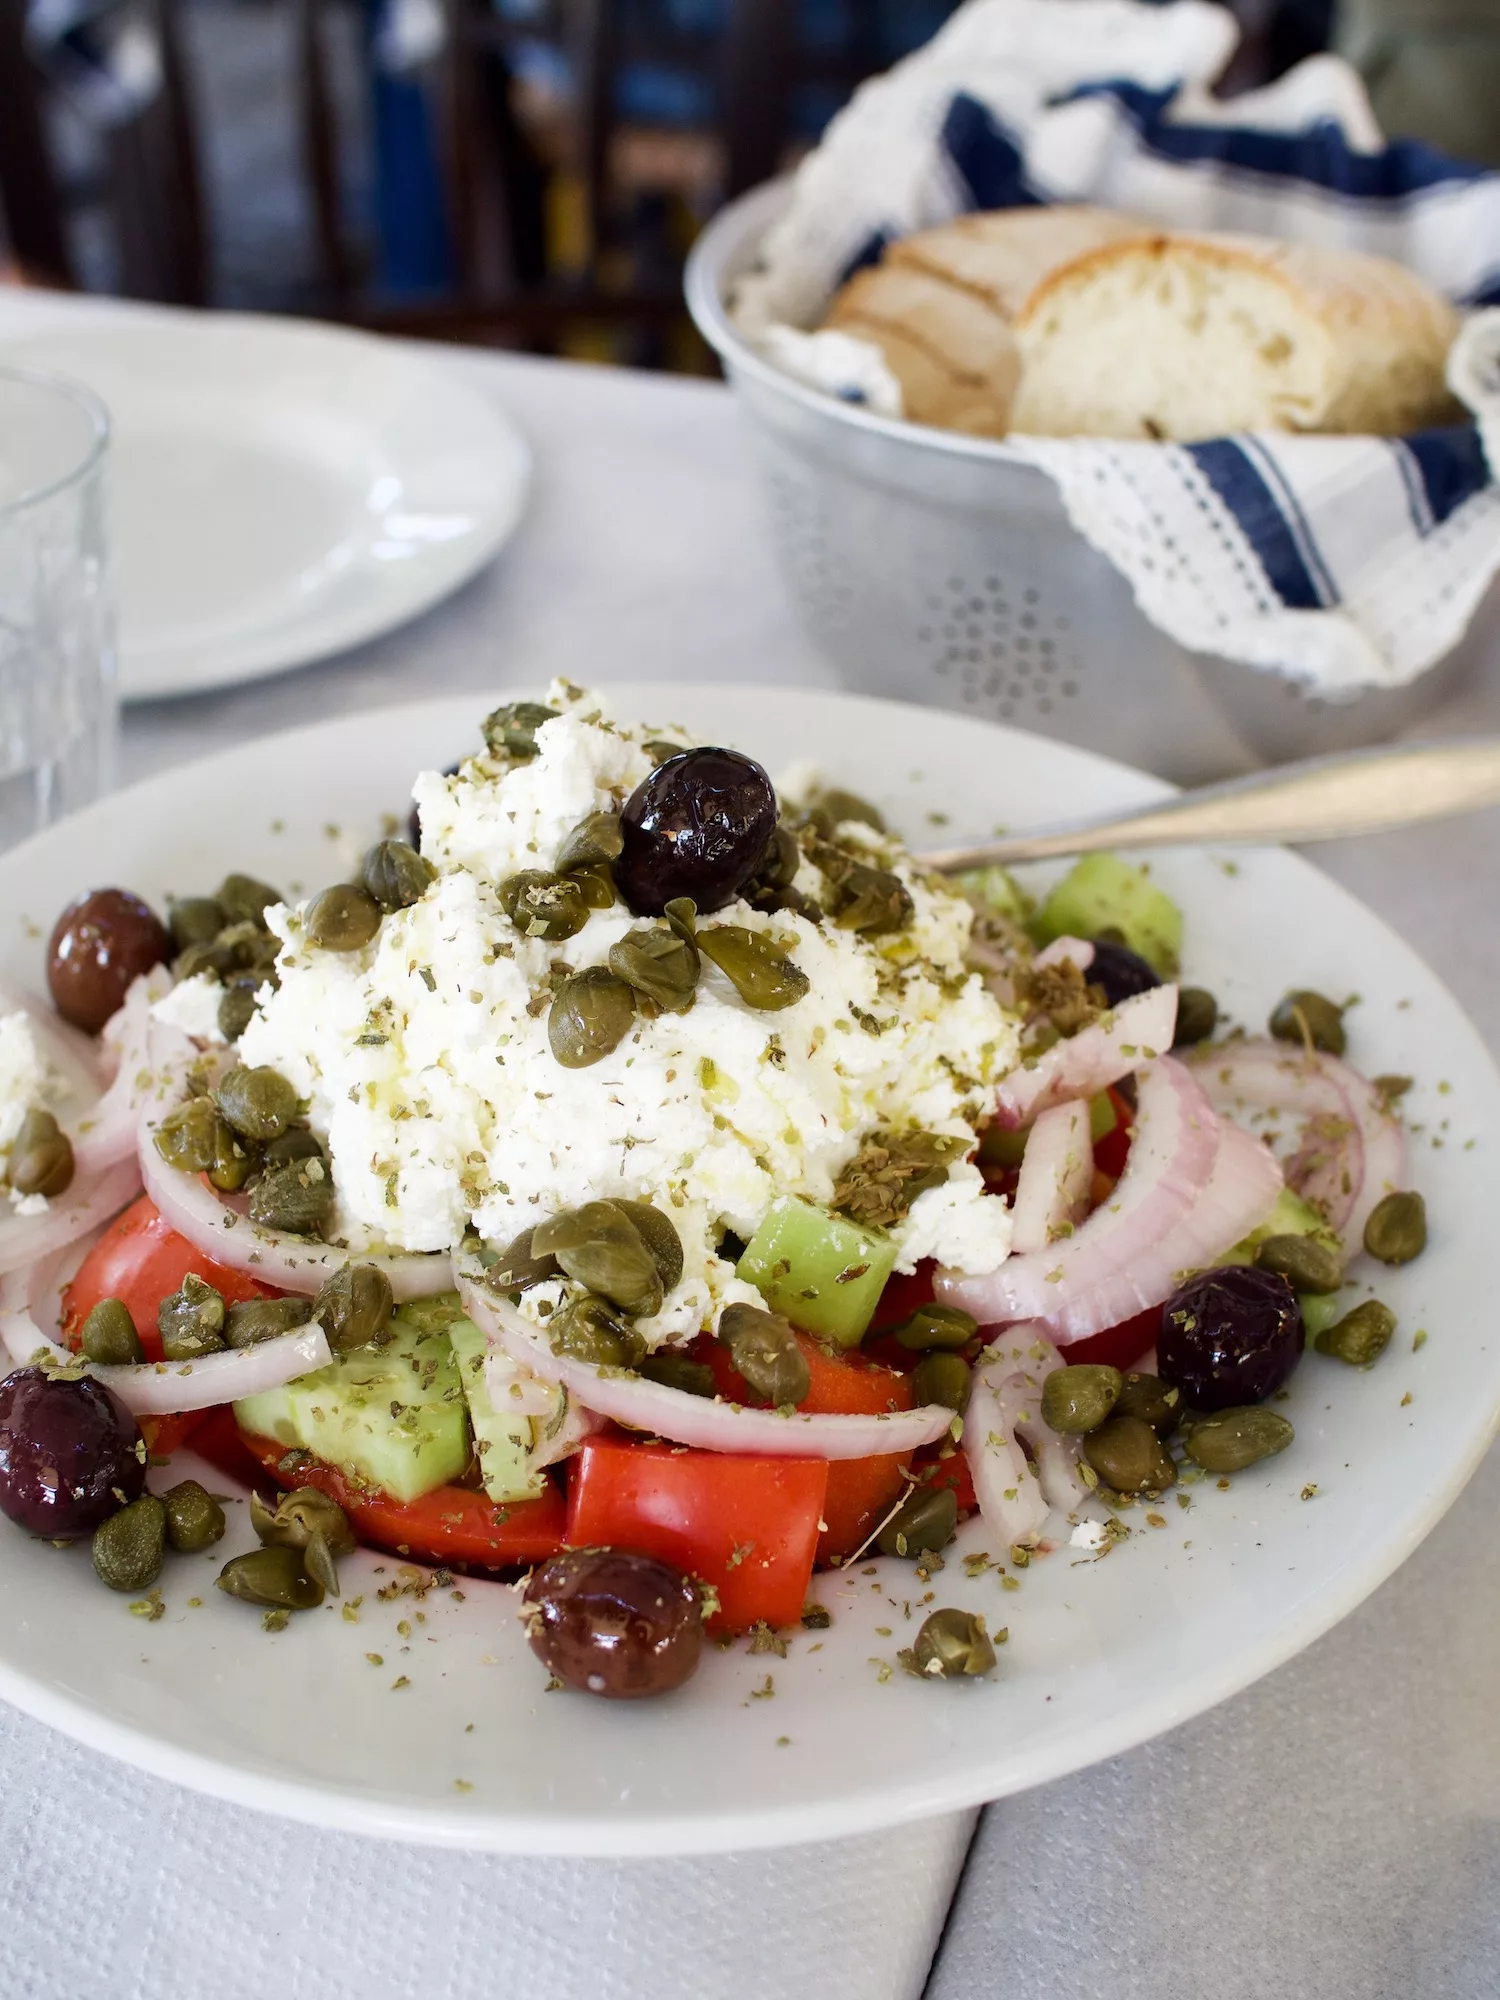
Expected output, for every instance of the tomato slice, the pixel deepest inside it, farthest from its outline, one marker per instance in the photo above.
(748, 1526)
(451, 1525)
(1119, 1346)
(141, 1260)
(164, 1434)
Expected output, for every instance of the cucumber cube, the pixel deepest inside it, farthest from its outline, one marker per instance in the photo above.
(393, 1416)
(1292, 1216)
(502, 1441)
(1320, 1310)
(823, 1272)
(997, 890)
(269, 1416)
(1102, 892)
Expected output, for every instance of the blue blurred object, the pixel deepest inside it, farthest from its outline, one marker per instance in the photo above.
(414, 253)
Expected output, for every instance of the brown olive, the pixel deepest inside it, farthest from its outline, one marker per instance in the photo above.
(99, 945)
(614, 1623)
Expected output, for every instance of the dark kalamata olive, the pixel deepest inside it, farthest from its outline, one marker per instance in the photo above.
(696, 827)
(1230, 1336)
(1120, 971)
(100, 944)
(70, 1454)
(614, 1623)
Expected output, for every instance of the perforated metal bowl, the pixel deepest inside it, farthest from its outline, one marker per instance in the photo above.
(935, 568)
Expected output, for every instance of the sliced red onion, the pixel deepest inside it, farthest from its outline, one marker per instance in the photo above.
(575, 1425)
(1122, 1040)
(272, 1256)
(1111, 1267)
(1061, 950)
(700, 1421)
(91, 1201)
(1240, 1194)
(1057, 1172)
(148, 1057)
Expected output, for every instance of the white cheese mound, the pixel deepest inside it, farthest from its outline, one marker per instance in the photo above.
(193, 1006)
(426, 1064)
(28, 1082)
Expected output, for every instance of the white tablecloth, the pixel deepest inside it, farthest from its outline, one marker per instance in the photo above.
(1334, 1828)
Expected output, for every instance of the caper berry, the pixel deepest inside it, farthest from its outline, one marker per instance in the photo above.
(600, 1246)
(354, 1307)
(195, 1520)
(1129, 1456)
(1308, 1263)
(1078, 1400)
(191, 1321)
(764, 1349)
(195, 919)
(1397, 1229)
(549, 907)
(1155, 1402)
(679, 1371)
(1304, 1017)
(952, 1645)
(937, 1326)
(1230, 1440)
(109, 1336)
(755, 966)
(250, 1321)
(1197, 1016)
(396, 875)
(658, 962)
(592, 1013)
(41, 1157)
(259, 1103)
(597, 837)
(926, 1521)
(942, 1378)
(297, 1198)
(237, 1008)
(244, 900)
(510, 731)
(1361, 1336)
(588, 1330)
(271, 1576)
(343, 918)
(128, 1546)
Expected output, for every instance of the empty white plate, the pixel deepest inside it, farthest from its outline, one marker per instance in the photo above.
(280, 491)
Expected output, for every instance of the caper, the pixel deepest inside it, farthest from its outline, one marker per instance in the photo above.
(297, 1198)
(209, 956)
(764, 1349)
(191, 1321)
(109, 1336)
(195, 1520)
(1197, 1016)
(835, 806)
(592, 1013)
(549, 907)
(951, 1645)
(309, 1521)
(872, 901)
(1307, 1262)
(195, 919)
(1361, 1336)
(679, 1371)
(244, 900)
(1129, 1456)
(237, 1008)
(185, 1137)
(658, 749)
(396, 875)
(942, 1378)
(128, 1547)
(681, 912)
(937, 1326)
(656, 961)
(659, 1234)
(233, 1162)
(926, 1521)
(596, 885)
(41, 1156)
(245, 947)
(259, 1103)
(1304, 1017)
(755, 966)
(250, 1321)
(515, 1268)
(297, 1142)
(777, 867)
(1155, 1402)
(354, 1307)
(1078, 1400)
(1397, 1229)
(588, 1330)
(1230, 1440)
(600, 1246)
(271, 1576)
(510, 731)
(596, 838)
(343, 918)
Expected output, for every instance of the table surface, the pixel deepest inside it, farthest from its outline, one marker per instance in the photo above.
(1339, 1823)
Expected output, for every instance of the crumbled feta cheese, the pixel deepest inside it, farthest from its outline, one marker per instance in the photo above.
(1089, 1535)
(425, 1060)
(29, 1204)
(193, 1006)
(27, 1079)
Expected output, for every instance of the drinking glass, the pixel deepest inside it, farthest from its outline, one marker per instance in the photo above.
(58, 709)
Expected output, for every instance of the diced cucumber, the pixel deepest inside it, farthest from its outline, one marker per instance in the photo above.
(1319, 1312)
(502, 1441)
(269, 1415)
(1103, 1117)
(825, 1273)
(996, 889)
(1291, 1216)
(1101, 892)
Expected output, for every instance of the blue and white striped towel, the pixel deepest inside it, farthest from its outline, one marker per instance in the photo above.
(1347, 563)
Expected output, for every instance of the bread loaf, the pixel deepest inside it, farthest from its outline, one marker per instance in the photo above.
(1160, 335)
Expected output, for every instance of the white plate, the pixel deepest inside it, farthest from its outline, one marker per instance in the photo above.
(1100, 1656)
(281, 491)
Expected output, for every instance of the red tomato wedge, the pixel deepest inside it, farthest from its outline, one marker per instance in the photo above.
(141, 1260)
(748, 1526)
(1119, 1346)
(1112, 1151)
(450, 1525)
